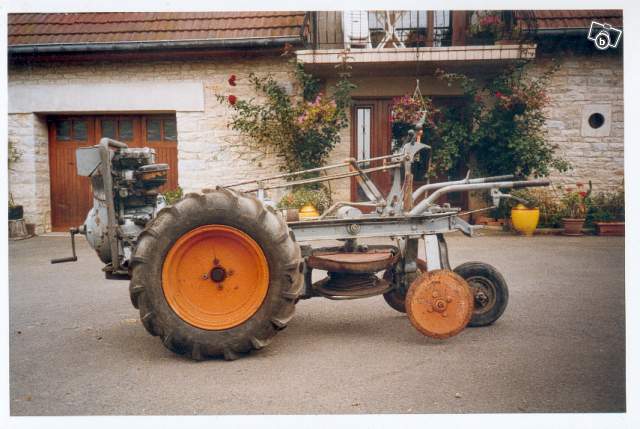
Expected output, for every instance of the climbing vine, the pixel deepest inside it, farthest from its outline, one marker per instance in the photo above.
(499, 126)
(302, 128)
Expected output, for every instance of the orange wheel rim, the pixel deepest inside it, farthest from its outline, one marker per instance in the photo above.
(215, 277)
(439, 303)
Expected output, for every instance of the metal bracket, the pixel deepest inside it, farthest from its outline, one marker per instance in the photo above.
(436, 252)
(496, 195)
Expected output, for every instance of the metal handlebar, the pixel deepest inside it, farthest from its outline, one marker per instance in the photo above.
(430, 186)
(475, 187)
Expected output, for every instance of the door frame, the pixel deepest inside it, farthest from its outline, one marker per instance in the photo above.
(359, 102)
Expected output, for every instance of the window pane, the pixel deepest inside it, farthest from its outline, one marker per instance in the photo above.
(80, 130)
(63, 129)
(108, 128)
(153, 129)
(170, 132)
(126, 129)
(364, 133)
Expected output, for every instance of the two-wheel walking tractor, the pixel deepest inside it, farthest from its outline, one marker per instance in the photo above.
(219, 272)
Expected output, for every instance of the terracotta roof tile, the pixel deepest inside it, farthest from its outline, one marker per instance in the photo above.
(565, 19)
(56, 28)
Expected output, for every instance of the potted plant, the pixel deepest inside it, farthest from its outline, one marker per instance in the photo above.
(525, 219)
(606, 212)
(310, 202)
(16, 211)
(493, 27)
(574, 208)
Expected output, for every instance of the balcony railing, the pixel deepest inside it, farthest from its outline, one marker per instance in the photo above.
(380, 29)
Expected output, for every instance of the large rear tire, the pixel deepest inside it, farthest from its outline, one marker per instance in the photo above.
(216, 274)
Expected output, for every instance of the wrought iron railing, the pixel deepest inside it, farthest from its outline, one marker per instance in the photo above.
(379, 29)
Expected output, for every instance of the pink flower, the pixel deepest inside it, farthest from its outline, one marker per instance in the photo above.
(233, 99)
(498, 94)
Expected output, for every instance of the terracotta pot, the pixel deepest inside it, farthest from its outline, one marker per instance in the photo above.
(572, 226)
(610, 229)
(482, 220)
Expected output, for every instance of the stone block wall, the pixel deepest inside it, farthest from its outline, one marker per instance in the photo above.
(29, 175)
(583, 85)
(209, 153)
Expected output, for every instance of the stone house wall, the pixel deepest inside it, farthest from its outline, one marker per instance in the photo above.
(585, 84)
(209, 153)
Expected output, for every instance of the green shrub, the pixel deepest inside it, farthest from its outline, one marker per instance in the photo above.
(173, 196)
(605, 207)
(319, 197)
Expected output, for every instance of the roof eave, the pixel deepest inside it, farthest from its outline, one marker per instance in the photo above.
(240, 43)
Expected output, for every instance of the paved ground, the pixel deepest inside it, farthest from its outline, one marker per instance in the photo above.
(77, 346)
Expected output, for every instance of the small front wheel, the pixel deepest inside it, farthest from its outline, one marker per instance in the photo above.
(396, 296)
(490, 292)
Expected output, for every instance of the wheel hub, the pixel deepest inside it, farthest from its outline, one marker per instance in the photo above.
(218, 274)
(484, 294)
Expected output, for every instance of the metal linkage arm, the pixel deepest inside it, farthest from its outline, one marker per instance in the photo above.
(431, 199)
(431, 186)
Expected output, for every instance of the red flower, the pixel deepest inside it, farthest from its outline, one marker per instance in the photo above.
(233, 99)
(232, 80)
(498, 94)
(583, 194)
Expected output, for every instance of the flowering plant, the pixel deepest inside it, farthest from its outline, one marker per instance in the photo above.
(300, 197)
(407, 109)
(317, 113)
(301, 128)
(574, 201)
(491, 25)
(501, 125)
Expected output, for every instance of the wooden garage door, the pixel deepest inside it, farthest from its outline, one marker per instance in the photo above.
(70, 193)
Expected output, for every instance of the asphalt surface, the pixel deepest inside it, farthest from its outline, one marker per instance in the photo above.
(77, 346)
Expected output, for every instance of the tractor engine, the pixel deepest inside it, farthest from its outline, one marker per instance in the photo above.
(125, 199)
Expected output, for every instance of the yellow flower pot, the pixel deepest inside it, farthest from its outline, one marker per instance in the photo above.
(308, 212)
(525, 220)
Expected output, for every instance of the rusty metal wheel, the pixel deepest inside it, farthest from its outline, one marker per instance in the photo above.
(396, 297)
(489, 289)
(439, 304)
(216, 275)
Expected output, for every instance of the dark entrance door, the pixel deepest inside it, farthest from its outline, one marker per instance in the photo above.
(371, 137)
